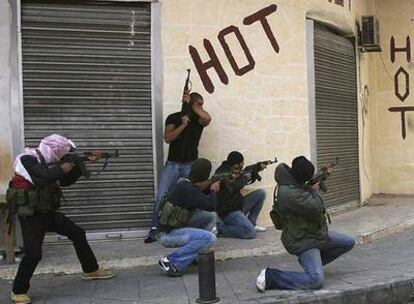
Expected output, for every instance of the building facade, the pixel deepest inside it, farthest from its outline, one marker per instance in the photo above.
(280, 79)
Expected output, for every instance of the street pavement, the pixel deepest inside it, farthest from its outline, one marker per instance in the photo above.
(379, 272)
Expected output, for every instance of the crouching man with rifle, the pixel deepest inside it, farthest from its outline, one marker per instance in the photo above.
(34, 195)
(186, 217)
(301, 214)
(239, 213)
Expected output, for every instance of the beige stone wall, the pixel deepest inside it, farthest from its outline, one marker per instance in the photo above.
(393, 155)
(263, 113)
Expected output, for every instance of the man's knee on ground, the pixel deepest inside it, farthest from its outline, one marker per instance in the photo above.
(351, 243)
(316, 281)
(249, 233)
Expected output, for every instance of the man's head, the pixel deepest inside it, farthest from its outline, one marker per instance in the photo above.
(54, 147)
(302, 169)
(200, 170)
(236, 160)
(196, 98)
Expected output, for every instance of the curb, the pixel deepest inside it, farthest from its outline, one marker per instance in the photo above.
(397, 291)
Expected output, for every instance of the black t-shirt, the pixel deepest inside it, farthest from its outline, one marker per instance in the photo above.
(185, 147)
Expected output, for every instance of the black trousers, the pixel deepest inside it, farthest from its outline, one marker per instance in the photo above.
(34, 229)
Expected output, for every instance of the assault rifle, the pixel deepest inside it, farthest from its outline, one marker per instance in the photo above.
(321, 176)
(186, 107)
(215, 178)
(256, 168)
(79, 159)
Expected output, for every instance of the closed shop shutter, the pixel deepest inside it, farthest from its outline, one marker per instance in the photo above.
(337, 114)
(87, 76)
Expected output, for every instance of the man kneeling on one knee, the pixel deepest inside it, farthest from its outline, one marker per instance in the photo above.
(238, 213)
(305, 231)
(186, 218)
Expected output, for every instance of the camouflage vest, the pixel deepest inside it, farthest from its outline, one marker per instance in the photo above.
(26, 202)
(173, 216)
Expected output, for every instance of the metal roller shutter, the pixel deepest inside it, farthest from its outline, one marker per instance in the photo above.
(87, 76)
(337, 114)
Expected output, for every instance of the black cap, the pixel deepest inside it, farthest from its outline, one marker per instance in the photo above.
(200, 170)
(234, 158)
(302, 169)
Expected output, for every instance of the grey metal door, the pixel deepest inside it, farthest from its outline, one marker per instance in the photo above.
(336, 113)
(87, 76)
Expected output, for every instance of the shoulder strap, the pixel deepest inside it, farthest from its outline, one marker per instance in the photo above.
(41, 158)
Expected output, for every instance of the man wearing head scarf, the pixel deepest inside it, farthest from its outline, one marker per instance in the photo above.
(305, 231)
(191, 195)
(34, 193)
(238, 213)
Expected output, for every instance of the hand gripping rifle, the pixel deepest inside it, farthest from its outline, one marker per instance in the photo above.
(321, 176)
(79, 159)
(215, 178)
(256, 168)
(188, 85)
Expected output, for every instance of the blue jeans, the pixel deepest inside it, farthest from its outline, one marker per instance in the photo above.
(203, 220)
(253, 204)
(312, 261)
(190, 241)
(170, 174)
(236, 225)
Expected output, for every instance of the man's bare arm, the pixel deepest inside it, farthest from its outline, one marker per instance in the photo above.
(172, 132)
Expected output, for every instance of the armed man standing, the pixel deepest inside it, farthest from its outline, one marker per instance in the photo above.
(182, 132)
(34, 194)
(238, 213)
(187, 217)
(302, 215)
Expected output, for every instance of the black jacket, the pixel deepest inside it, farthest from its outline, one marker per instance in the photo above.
(229, 196)
(43, 176)
(302, 212)
(189, 196)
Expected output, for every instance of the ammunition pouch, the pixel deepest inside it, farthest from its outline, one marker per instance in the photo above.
(173, 216)
(26, 202)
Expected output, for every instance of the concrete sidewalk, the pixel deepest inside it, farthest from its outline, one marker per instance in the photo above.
(381, 217)
(380, 272)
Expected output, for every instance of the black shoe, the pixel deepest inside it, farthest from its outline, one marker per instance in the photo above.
(150, 239)
(152, 236)
(169, 268)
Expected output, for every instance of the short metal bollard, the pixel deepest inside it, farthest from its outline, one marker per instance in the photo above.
(206, 277)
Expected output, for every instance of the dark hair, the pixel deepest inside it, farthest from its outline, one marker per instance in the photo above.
(195, 96)
(235, 158)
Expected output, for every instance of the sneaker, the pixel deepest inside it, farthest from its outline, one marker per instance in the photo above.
(214, 230)
(261, 281)
(100, 274)
(20, 298)
(259, 228)
(169, 268)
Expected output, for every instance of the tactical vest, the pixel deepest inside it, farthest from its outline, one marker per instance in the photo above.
(26, 202)
(173, 216)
